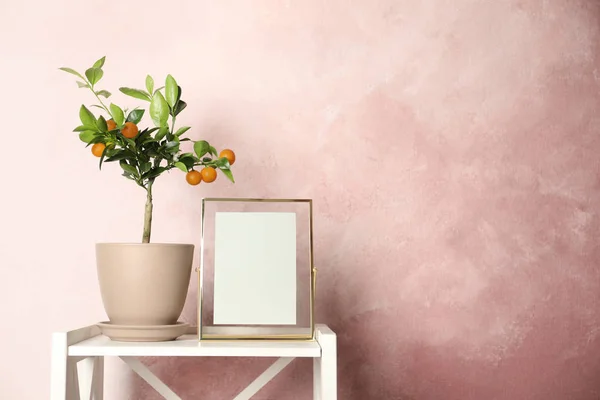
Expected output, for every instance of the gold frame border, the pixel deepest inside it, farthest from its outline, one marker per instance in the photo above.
(313, 275)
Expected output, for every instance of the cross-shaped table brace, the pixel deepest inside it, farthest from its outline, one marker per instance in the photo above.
(78, 361)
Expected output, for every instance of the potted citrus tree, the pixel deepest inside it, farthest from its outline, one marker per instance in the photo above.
(145, 284)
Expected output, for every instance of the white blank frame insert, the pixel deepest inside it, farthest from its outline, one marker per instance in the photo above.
(255, 268)
(256, 278)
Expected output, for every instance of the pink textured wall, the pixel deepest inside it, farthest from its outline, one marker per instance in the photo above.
(451, 147)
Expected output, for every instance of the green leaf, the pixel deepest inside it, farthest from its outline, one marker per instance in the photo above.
(86, 117)
(172, 144)
(181, 131)
(206, 159)
(188, 157)
(152, 130)
(82, 128)
(149, 84)
(146, 167)
(117, 114)
(181, 105)
(181, 166)
(222, 163)
(128, 141)
(104, 93)
(100, 62)
(102, 158)
(94, 75)
(121, 155)
(97, 139)
(126, 175)
(128, 168)
(228, 174)
(154, 172)
(82, 84)
(111, 152)
(148, 139)
(72, 71)
(114, 155)
(161, 133)
(143, 134)
(87, 136)
(159, 110)
(201, 147)
(171, 90)
(136, 93)
(135, 116)
(213, 151)
(188, 161)
(101, 124)
(172, 147)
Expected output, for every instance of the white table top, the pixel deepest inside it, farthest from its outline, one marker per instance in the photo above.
(188, 345)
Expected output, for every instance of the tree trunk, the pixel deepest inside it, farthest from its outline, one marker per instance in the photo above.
(148, 214)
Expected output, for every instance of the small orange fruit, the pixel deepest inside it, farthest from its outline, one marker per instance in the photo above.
(98, 149)
(193, 177)
(130, 130)
(111, 125)
(229, 155)
(209, 174)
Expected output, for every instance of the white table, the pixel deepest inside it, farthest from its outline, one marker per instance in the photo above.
(78, 361)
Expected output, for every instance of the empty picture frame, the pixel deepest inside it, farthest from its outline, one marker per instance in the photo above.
(256, 278)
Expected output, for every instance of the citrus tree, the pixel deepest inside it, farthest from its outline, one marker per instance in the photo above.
(114, 134)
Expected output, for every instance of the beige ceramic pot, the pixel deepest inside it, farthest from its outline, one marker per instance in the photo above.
(144, 284)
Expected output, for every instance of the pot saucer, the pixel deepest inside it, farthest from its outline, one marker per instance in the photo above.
(143, 333)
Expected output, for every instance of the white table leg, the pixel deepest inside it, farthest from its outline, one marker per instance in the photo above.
(317, 386)
(73, 392)
(90, 371)
(59, 371)
(64, 382)
(98, 381)
(325, 367)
